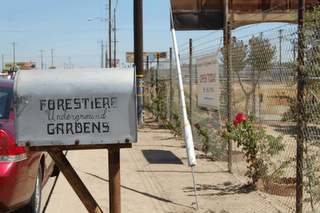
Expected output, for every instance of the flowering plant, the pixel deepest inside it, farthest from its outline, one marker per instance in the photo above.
(209, 136)
(174, 124)
(255, 143)
(203, 132)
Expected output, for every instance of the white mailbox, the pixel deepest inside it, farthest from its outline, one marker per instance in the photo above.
(75, 106)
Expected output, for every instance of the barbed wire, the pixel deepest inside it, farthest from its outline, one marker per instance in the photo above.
(253, 25)
(262, 12)
(214, 48)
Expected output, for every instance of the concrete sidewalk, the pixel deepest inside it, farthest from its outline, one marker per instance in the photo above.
(155, 177)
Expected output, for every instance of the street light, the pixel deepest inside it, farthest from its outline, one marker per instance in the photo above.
(102, 19)
(105, 20)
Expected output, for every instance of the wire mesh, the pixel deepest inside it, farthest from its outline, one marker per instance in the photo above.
(264, 83)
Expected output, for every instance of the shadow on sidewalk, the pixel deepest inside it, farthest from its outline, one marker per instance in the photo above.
(143, 193)
(161, 157)
(227, 188)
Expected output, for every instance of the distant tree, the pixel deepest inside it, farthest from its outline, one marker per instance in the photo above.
(260, 57)
(239, 54)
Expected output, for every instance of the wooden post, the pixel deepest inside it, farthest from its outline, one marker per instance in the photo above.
(114, 178)
(228, 48)
(138, 53)
(300, 112)
(191, 82)
(171, 85)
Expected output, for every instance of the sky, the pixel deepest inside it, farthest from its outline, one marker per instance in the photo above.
(63, 26)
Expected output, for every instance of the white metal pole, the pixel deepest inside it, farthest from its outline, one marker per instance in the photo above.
(186, 125)
(195, 188)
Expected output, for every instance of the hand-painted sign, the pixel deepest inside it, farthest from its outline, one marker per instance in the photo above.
(60, 107)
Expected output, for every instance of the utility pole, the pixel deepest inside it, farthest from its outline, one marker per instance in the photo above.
(106, 56)
(52, 57)
(138, 53)
(41, 59)
(14, 54)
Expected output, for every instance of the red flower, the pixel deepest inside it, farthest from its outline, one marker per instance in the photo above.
(236, 122)
(240, 117)
(197, 126)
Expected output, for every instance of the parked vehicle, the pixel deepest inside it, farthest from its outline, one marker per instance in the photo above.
(22, 173)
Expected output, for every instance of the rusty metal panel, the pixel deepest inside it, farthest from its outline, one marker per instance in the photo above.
(198, 21)
(197, 14)
(196, 5)
(185, 5)
(211, 5)
(248, 5)
(75, 107)
(208, 14)
(266, 5)
(276, 5)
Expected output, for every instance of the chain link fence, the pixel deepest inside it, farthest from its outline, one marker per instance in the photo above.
(273, 77)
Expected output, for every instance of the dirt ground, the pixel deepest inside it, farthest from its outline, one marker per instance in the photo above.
(155, 178)
(166, 173)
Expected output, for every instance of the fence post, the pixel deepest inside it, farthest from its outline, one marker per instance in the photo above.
(300, 112)
(146, 83)
(171, 85)
(230, 90)
(157, 81)
(280, 64)
(145, 90)
(227, 44)
(191, 83)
